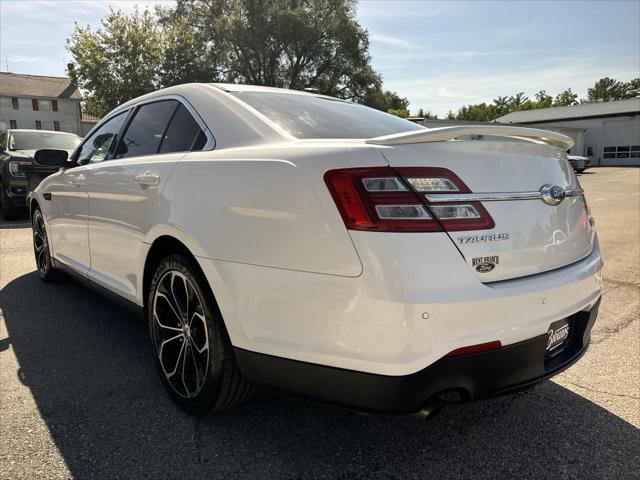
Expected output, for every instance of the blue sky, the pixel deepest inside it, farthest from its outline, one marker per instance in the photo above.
(440, 55)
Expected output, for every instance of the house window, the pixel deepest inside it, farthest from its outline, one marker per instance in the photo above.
(588, 151)
(14, 103)
(56, 125)
(38, 125)
(625, 151)
(34, 104)
(13, 124)
(54, 105)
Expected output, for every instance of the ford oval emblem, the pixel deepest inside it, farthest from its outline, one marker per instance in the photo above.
(552, 194)
(485, 267)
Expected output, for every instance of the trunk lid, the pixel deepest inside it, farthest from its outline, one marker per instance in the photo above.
(529, 236)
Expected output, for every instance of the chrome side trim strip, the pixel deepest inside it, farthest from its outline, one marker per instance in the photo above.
(494, 196)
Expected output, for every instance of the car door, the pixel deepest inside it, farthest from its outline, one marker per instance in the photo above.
(124, 191)
(67, 192)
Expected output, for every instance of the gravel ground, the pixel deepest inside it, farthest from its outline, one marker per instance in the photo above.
(79, 396)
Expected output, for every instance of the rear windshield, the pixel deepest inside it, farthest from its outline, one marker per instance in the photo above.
(308, 116)
(38, 140)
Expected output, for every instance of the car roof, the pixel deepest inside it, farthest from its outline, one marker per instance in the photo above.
(227, 88)
(238, 87)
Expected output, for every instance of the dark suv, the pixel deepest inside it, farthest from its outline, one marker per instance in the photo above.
(17, 149)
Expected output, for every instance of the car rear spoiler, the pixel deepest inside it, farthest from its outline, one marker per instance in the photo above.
(449, 133)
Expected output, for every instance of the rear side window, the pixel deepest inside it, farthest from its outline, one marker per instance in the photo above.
(147, 129)
(183, 133)
(310, 116)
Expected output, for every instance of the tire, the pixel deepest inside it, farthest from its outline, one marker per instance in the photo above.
(190, 345)
(580, 170)
(41, 250)
(9, 210)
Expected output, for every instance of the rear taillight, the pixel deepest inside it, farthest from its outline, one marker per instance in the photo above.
(376, 199)
(394, 200)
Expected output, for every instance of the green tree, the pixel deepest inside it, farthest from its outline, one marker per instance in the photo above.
(480, 112)
(605, 90)
(399, 112)
(543, 100)
(501, 105)
(517, 101)
(385, 100)
(565, 98)
(422, 114)
(117, 62)
(298, 44)
(631, 89)
(288, 43)
(186, 57)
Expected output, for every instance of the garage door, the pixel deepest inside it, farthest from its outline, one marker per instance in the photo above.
(621, 142)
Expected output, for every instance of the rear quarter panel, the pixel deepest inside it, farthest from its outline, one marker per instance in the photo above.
(266, 206)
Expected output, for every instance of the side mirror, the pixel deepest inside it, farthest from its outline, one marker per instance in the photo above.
(51, 158)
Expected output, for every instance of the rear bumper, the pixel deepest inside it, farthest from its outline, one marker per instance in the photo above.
(404, 313)
(472, 376)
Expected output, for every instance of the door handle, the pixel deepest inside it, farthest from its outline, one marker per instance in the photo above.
(148, 179)
(79, 180)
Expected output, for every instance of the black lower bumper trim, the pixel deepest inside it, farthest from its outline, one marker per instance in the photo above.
(473, 376)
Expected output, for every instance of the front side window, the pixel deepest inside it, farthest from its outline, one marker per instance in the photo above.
(97, 146)
(184, 134)
(309, 116)
(147, 129)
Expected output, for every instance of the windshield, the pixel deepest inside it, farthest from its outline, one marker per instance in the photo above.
(308, 116)
(38, 140)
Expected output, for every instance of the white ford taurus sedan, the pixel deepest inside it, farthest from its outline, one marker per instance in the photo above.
(321, 248)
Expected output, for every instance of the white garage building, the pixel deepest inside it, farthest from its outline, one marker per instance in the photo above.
(607, 132)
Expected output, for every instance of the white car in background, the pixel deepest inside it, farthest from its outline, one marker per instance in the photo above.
(579, 164)
(318, 247)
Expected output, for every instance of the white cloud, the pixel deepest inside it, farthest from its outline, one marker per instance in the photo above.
(24, 59)
(391, 41)
(444, 92)
(376, 10)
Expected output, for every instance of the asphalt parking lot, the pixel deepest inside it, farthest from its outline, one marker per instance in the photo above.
(80, 398)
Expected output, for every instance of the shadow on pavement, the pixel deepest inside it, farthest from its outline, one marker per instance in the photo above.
(89, 368)
(14, 224)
